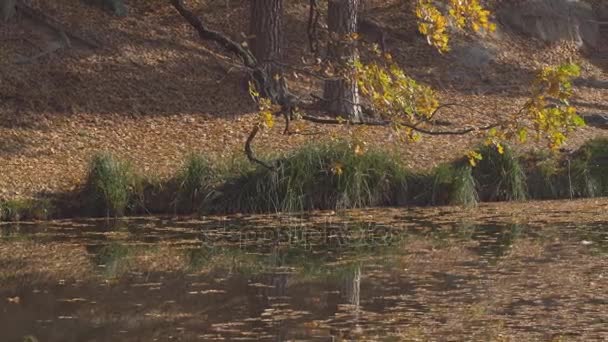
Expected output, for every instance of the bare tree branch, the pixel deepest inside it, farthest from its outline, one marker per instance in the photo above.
(208, 34)
(249, 149)
(388, 123)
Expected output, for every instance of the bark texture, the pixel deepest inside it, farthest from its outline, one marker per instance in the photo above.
(266, 42)
(342, 95)
(266, 30)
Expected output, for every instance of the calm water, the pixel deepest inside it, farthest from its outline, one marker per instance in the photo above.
(259, 278)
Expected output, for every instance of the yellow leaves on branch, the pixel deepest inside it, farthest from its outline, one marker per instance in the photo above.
(432, 24)
(265, 107)
(466, 14)
(470, 14)
(551, 120)
(392, 94)
(494, 137)
(474, 157)
(554, 119)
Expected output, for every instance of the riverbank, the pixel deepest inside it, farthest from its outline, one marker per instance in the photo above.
(155, 92)
(324, 176)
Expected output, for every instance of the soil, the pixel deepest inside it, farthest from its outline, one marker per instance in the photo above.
(153, 91)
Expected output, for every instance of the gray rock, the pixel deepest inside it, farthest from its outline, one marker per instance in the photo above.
(554, 20)
(7, 9)
(474, 55)
(117, 7)
(599, 120)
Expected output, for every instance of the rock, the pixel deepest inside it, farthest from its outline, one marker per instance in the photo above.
(117, 7)
(474, 55)
(7, 9)
(553, 20)
(599, 120)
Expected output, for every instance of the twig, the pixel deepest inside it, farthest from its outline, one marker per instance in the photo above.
(249, 150)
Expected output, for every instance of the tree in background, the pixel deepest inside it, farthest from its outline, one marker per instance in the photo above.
(341, 94)
(390, 96)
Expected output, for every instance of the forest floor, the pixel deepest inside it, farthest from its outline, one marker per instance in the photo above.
(153, 92)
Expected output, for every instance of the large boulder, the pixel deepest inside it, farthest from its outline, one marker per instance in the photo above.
(553, 20)
(7, 9)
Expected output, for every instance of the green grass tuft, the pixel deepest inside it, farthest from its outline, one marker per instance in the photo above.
(544, 176)
(109, 186)
(454, 184)
(583, 173)
(26, 209)
(194, 184)
(500, 176)
(588, 169)
(326, 176)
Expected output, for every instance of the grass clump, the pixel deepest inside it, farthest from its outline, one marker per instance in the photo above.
(454, 184)
(324, 176)
(583, 173)
(109, 186)
(500, 176)
(194, 184)
(544, 176)
(26, 209)
(588, 169)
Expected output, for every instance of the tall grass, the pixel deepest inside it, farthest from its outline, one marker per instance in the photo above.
(194, 184)
(109, 186)
(588, 169)
(544, 176)
(454, 184)
(500, 176)
(583, 173)
(26, 209)
(326, 176)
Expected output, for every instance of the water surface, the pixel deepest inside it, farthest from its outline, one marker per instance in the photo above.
(369, 275)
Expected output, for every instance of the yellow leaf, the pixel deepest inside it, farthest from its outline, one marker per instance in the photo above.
(473, 157)
(337, 169)
(500, 149)
(358, 150)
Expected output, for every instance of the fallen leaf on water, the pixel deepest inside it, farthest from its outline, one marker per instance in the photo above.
(15, 300)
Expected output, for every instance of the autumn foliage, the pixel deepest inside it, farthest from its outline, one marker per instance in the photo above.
(394, 99)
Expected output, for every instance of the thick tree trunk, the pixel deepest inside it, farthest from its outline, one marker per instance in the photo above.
(7, 9)
(266, 30)
(342, 95)
(266, 42)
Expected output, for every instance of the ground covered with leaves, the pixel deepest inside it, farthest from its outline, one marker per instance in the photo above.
(152, 92)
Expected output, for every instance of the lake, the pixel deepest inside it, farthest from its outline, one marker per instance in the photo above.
(498, 272)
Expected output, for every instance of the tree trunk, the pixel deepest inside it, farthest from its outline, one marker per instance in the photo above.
(266, 42)
(342, 95)
(266, 31)
(7, 9)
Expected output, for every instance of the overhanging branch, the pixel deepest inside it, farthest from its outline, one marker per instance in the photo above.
(389, 123)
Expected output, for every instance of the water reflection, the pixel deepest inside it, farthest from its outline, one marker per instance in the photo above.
(252, 279)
